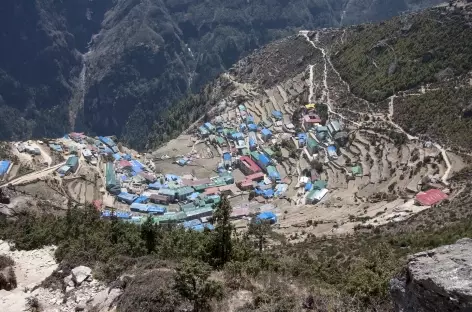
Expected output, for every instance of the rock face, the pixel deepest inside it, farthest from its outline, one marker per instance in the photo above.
(436, 280)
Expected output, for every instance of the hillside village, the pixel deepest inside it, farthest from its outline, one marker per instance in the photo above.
(283, 147)
(290, 165)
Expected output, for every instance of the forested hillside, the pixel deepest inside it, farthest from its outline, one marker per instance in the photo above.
(113, 67)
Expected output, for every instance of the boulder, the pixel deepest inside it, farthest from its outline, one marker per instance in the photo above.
(436, 280)
(7, 278)
(80, 274)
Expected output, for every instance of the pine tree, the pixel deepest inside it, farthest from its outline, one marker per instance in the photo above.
(222, 244)
(148, 234)
(260, 229)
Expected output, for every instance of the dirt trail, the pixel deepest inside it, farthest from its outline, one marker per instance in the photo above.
(33, 176)
(326, 96)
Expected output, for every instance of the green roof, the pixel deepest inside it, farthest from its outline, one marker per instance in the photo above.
(310, 142)
(196, 212)
(356, 170)
(184, 190)
(219, 181)
(268, 151)
(168, 192)
(319, 184)
(169, 217)
(200, 188)
(220, 140)
(245, 152)
(255, 155)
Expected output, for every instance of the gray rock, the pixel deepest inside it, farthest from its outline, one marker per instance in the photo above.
(105, 299)
(80, 307)
(436, 280)
(80, 274)
(68, 281)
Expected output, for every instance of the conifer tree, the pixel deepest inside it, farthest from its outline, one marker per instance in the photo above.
(222, 244)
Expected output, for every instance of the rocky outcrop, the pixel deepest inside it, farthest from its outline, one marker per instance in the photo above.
(436, 280)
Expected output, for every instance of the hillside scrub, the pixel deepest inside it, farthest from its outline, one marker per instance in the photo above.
(405, 52)
(354, 266)
(441, 115)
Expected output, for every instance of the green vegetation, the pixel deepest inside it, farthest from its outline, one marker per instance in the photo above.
(355, 266)
(443, 115)
(405, 52)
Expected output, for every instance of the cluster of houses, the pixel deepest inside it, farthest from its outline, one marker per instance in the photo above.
(250, 146)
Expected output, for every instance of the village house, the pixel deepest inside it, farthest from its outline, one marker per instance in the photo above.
(310, 121)
(334, 126)
(266, 134)
(248, 166)
(312, 146)
(321, 133)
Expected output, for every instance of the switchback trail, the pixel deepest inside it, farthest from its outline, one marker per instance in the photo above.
(326, 96)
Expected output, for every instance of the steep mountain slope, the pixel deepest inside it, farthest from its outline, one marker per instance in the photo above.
(144, 55)
(418, 66)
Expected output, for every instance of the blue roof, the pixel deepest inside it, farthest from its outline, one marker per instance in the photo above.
(266, 131)
(269, 193)
(202, 227)
(209, 126)
(252, 142)
(127, 157)
(226, 156)
(264, 160)
(117, 156)
(193, 196)
(154, 209)
(242, 126)
(4, 165)
(107, 141)
(252, 127)
(308, 186)
(156, 185)
(302, 136)
(127, 197)
(139, 207)
(191, 223)
(277, 114)
(267, 215)
(332, 148)
(123, 215)
(141, 199)
(237, 135)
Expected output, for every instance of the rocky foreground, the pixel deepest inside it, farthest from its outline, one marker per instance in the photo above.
(436, 280)
(81, 292)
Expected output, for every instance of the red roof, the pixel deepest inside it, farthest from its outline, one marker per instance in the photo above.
(248, 162)
(430, 197)
(255, 176)
(124, 164)
(312, 119)
(211, 190)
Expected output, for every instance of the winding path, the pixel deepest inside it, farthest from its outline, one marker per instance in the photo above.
(390, 108)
